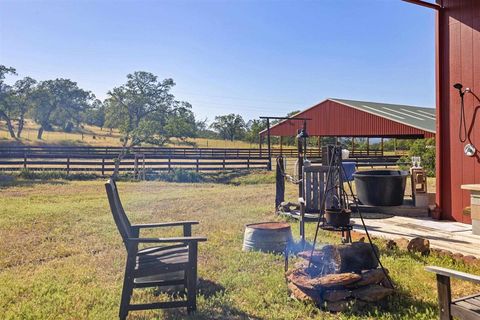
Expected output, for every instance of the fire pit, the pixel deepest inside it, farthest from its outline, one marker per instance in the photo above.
(339, 277)
(267, 237)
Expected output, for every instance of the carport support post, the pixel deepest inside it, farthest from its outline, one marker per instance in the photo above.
(319, 145)
(368, 146)
(281, 145)
(269, 146)
(300, 165)
(260, 144)
(353, 146)
(381, 146)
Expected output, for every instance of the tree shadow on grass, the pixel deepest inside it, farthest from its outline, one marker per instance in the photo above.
(210, 290)
(225, 177)
(28, 183)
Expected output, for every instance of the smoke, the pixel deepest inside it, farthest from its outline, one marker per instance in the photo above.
(323, 261)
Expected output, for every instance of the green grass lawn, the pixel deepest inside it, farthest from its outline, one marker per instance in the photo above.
(62, 258)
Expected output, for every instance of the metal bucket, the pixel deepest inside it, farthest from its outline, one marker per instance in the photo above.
(267, 237)
(337, 217)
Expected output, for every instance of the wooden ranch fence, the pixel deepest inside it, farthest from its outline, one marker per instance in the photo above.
(153, 159)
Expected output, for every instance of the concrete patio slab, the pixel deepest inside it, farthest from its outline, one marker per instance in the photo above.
(454, 236)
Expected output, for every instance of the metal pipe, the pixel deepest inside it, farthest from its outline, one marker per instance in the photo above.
(425, 4)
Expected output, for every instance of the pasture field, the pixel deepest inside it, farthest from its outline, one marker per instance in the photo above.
(95, 136)
(61, 256)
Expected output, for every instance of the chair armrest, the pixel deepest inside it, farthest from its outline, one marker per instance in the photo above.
(454, 274)
(167, 240)
(163, 224)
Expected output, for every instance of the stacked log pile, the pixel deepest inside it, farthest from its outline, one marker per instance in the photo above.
(340, 277)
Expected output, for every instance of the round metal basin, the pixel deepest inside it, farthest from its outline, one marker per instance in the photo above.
(381, 187)
(267, 237)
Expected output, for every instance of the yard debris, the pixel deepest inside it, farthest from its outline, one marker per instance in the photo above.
(402, 243)
(457, 256)
(420, 245)
(469, 259)
(391, 245)
(288, 207)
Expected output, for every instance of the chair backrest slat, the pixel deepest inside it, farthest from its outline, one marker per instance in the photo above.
(119, 215)
(308, 189)
(314, 187)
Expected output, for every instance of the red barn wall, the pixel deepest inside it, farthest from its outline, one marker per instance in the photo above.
(330, 118)
(458, 60)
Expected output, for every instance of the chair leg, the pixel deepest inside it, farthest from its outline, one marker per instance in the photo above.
(444, 297)
(126, 295)
(192, 278)
(127, 290)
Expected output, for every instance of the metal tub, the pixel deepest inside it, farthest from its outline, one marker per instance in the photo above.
(381, 187)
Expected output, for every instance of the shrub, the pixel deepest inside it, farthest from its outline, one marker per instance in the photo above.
(425, 149)
(55, 175)
(180, 175)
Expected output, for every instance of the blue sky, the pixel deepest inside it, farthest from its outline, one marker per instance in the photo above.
(249, 57)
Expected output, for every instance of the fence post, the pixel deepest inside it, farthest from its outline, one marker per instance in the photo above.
(25, 161)
(223, 163)
(103, 167)
(135, 167)
(248, 163)
(169, 164)
(68, 165)
(143, 168)
(280, 183)
(197, 169)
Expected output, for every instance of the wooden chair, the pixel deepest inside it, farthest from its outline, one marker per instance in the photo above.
(312, 204)
(467, 308)
(156, 266)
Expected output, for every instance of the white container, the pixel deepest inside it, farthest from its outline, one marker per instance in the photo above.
(345, 154)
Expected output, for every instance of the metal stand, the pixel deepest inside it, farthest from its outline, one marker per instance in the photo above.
(334, 154)
(345, 230)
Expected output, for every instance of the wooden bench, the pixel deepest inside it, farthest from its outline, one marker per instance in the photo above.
(467, 308)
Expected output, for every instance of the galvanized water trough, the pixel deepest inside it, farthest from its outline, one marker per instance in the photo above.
(267, 237)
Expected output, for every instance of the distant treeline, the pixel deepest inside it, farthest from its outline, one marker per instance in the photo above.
(143, 110)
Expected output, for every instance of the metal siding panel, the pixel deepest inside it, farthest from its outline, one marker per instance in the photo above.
(466, 38)
(334, 119)
(461, 63)
(456, 153)
(476, 81)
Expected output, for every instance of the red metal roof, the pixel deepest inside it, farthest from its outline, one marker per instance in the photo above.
(335, 117)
